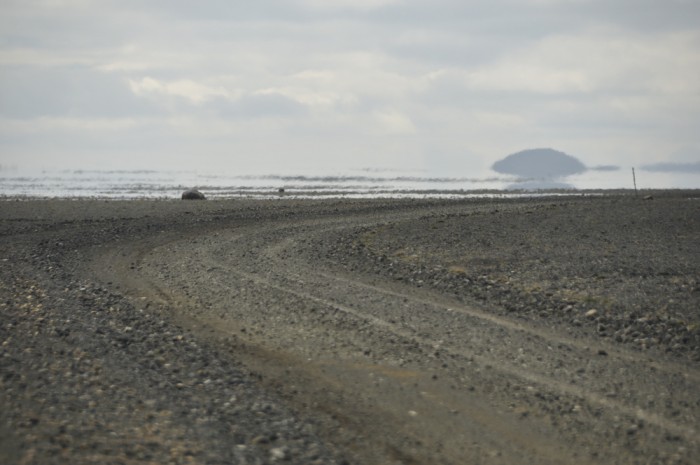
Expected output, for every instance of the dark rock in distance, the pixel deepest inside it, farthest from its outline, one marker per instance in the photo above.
(540, 163)
(193, 194)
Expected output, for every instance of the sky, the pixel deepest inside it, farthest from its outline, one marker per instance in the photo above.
(308, 86)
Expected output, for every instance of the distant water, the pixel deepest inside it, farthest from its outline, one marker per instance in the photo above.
(124, 184)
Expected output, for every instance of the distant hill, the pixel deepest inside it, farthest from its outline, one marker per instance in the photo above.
(540, 163)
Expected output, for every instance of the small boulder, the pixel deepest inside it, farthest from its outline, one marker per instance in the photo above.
(193, 194)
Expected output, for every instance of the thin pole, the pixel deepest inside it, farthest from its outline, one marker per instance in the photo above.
(634, 180)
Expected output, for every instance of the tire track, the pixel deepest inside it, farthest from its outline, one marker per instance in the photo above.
(277, 281)
(543, 339)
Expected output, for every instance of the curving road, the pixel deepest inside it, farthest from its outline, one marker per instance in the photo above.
(394, 372)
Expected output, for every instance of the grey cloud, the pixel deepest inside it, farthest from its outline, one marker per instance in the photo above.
(217, 10)
(104, 141)
(68, 27)
(486, 30)
(673, 167)
(452, 91)
(32, 91)
(441, 48)
(537, 18)
(641, 15)
(687, 154)
(604, 168)
(257, 106)
(487, 22)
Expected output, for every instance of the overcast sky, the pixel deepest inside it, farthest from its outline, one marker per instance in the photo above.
(267, 86)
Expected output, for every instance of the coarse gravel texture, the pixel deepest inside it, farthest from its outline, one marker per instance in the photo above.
(622, 269)
(88, 376)
(543, 330)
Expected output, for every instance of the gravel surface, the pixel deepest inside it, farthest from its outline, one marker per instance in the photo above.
(560, 330)
(620, 269)
(90, 376)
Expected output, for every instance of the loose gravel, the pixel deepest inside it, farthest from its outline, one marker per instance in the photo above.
(91, 371)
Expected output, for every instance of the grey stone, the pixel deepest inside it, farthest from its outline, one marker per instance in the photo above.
(193, 194)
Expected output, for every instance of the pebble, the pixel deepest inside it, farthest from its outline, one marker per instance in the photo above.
(279, 453)
(592, 313)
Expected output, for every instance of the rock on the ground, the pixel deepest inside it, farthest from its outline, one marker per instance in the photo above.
(193, 194)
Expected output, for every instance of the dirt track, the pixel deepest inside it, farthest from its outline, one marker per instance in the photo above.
(376, 333)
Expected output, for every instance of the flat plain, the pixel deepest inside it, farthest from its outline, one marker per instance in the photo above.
(559, 329)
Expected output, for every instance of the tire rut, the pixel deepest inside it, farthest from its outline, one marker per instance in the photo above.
(509, 390)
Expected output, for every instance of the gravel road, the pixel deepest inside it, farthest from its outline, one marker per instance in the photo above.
(535, 331)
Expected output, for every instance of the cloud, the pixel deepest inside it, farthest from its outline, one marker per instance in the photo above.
(685, 154)
(669, 167)
(599, 61)
(604, 168)
(207, 100)
(71, 91)
(258, 105)
(362, 5)
(195, 92)
(645, 16)
(685, 160)
(394, 122)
